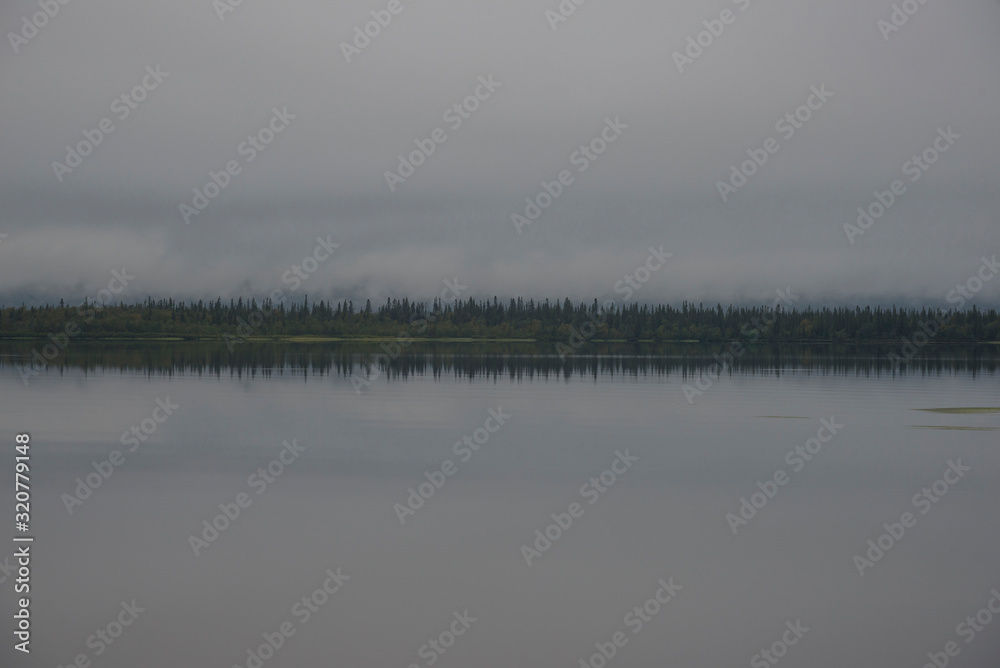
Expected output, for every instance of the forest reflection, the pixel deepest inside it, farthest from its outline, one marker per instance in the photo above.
(493, 360)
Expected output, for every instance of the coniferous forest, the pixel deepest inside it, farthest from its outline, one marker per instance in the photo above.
(493, 319)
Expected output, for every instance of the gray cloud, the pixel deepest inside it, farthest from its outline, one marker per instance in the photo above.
(324, 174)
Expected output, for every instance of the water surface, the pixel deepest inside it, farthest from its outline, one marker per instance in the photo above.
(467, 547)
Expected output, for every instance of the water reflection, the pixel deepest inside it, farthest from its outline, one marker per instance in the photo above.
(517, 361)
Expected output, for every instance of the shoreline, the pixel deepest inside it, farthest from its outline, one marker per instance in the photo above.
(384, 339)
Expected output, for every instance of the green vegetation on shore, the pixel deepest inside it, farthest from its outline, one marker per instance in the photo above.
(515, 320)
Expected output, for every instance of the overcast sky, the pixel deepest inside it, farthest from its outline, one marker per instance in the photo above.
(887, 93)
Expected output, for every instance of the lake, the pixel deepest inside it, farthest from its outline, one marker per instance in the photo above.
(490, 504)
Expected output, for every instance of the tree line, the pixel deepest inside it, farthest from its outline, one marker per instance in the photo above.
(495, 319)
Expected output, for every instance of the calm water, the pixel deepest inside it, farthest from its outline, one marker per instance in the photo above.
(413, 576)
